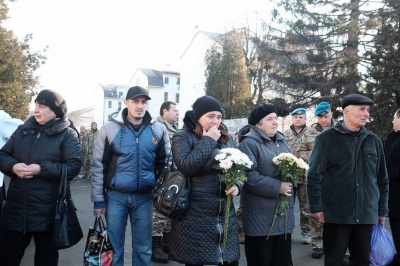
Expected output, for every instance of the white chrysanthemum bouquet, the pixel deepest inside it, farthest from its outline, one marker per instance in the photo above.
(290, 168)
(232, 162)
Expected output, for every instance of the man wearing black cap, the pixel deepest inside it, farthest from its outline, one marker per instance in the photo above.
(347, 184)
(128, 151)
(294, 137)
(261, 141)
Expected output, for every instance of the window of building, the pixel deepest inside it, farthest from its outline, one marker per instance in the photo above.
(109, 117)
(119, 106)
(178, 81)
(120, 94)
(165, 96)
(166, 80)
(137, 82)
(109, 104)
(177, 97)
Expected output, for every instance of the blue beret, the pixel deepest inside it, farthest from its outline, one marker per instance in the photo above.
(299, 111)
(322, 109)
(356, 99)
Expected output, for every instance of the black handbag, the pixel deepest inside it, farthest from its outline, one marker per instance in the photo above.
(66, 228)
(171, 194)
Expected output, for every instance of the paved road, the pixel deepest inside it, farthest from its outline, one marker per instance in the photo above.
(74, 256)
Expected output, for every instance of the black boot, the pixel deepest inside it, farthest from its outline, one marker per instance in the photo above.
(165, 242)
(158, 254)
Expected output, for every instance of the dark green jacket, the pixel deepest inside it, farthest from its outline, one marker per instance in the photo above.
(347, 179)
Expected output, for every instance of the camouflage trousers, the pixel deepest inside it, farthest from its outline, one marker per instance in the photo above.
(307, 224)
(305, 218)
(316, 234)
(86, 165)
(161, 223)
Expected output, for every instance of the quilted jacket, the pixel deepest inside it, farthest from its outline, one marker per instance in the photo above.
(260, 194)
(31, 201)
(197, 238)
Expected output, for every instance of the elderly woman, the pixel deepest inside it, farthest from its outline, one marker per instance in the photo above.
(261, 141)
(197, 238)
(32, 158)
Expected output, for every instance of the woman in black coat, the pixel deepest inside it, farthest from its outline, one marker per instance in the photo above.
(197, 238)
(32, 158)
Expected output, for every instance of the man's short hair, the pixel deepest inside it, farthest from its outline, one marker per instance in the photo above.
(166, 105)
(398, 112)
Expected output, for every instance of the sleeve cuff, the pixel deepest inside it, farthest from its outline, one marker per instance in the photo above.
(99, 205)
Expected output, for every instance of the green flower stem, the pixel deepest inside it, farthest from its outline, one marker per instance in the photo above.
(226, 223)
(282, 199)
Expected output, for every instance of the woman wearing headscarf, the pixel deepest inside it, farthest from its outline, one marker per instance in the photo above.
(32, 158)
(197, 238)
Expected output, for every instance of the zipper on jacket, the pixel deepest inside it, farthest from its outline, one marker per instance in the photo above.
(26, 187)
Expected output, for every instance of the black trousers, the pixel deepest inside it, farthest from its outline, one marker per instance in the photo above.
(15, 243)
(338, 237)
(276, 251)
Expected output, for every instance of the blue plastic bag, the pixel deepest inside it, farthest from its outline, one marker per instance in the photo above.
(382, 246)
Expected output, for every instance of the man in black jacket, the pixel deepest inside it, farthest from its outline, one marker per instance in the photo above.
(392, 155)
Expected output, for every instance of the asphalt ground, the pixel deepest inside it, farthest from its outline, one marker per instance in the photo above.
(301, 254)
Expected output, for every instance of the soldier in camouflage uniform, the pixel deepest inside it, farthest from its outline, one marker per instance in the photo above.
(87, 148)
(295, 138)
(169, 115)
(325, 121)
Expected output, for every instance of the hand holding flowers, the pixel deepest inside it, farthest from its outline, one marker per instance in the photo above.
(289, 169)
(231, 162)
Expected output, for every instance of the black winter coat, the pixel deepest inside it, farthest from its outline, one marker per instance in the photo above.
(392, 155)
(30, 202)
(197, 238)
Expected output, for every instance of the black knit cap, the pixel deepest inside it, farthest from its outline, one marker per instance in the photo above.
(54, 101)
(260, 112)
(356, 99)
(204, 105)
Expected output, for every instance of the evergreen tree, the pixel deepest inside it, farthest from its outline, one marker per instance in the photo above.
(320, 45)
(385, 70)
(226, 76)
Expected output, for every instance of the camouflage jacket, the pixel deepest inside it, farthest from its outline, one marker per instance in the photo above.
(171, 128)
(311, 133)
(88, 141)
(298, 144)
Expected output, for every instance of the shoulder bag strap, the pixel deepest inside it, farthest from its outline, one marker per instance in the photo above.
(62, 192)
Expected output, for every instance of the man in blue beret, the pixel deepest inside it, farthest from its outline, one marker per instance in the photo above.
(294, 137)
(347, 184)
(324, 121)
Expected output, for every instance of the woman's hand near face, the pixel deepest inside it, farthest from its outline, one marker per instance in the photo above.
(213, 133)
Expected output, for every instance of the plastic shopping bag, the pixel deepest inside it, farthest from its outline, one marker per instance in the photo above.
(382, 246)
(98, 249)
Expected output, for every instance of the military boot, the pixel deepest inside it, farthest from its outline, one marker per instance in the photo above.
(165, 242)
(158, 254)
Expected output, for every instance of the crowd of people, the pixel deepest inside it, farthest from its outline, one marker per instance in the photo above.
(344, 193)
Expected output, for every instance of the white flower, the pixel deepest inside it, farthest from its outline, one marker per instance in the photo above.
(226, 164)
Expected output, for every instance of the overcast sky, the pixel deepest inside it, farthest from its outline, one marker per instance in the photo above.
(92, 42)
